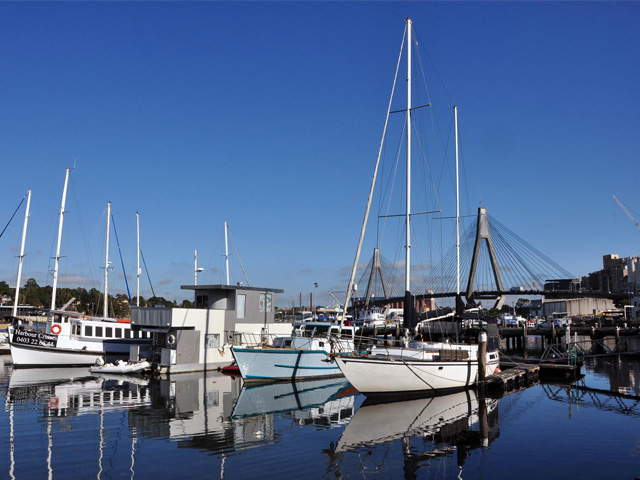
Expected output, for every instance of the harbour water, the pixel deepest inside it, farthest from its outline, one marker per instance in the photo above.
(69, 423)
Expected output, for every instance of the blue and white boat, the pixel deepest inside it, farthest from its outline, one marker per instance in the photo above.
(302, 355)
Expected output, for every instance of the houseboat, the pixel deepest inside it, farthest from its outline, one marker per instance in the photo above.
(201, 338)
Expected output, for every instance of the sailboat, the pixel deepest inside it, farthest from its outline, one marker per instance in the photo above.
(421, 367)
(70, 338)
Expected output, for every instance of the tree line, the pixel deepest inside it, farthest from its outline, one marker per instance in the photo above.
(89, 302)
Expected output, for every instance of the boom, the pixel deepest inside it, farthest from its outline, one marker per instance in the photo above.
(624, 209)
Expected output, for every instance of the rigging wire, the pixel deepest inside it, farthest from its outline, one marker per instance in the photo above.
(147, 272)
(238, 255)
(14, 214)
(121, 260)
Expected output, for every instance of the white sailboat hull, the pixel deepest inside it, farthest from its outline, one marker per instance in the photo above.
(272, 364)
(404, 375)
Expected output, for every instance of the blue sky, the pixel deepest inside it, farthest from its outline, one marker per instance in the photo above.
(268, 115)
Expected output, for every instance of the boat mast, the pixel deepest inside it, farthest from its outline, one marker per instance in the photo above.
(407, 267)
(57, 259)
(195, 267)
(226, 250)
(106, 265)
(455, 116)
(24, 236)
(350, 288)
(138, 278)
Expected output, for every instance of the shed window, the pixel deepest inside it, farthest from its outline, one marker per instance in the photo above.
(242, 305)
(212, 340)
(202, 301)
(265, 302)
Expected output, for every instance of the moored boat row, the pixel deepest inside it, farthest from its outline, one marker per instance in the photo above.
(211, 334)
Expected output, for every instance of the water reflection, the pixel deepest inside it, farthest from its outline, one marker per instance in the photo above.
(206, 411)
(428, 428)
(322, 402)
(63, 394)
(577, 394)
(69, 423)
(622, 374)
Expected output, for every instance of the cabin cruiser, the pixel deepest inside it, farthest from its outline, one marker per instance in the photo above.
(72, 339)
(301, 355)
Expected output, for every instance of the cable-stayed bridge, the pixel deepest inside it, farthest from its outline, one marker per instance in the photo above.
(494, 263)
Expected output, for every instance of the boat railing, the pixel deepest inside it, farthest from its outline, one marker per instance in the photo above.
(341, 344)
(397, 346)
(252, 339)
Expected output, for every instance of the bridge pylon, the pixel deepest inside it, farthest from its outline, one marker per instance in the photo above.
(376, 268)
(484, 233)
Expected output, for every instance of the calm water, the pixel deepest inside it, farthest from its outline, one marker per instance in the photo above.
(70, 424)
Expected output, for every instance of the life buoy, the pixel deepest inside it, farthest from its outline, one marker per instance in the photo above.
(56, 329)
(171, 340)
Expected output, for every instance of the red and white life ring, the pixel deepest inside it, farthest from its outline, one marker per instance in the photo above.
(56, 329)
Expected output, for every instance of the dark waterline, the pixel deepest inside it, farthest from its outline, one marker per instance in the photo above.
(70, 424)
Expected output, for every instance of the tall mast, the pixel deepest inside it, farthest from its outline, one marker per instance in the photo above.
(226, 250)
(106, 265)
(455, 116)
(24, 236)
(195, 267)
(408, 213)
(350, 288)
(138, 277)
(57, 259)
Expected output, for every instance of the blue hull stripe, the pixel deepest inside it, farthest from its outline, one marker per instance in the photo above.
(305, 368)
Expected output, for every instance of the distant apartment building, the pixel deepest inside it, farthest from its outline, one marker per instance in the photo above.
(618, 275)
(613, 278)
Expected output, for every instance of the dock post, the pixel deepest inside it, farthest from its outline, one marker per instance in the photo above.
(483, 423)
(482, 356)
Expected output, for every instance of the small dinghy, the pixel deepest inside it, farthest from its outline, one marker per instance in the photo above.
(120, 366)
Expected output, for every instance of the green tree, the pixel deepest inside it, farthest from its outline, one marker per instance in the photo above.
(5, 289)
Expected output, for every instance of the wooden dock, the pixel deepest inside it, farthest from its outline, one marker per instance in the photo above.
(512, 379)
(562, 369)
